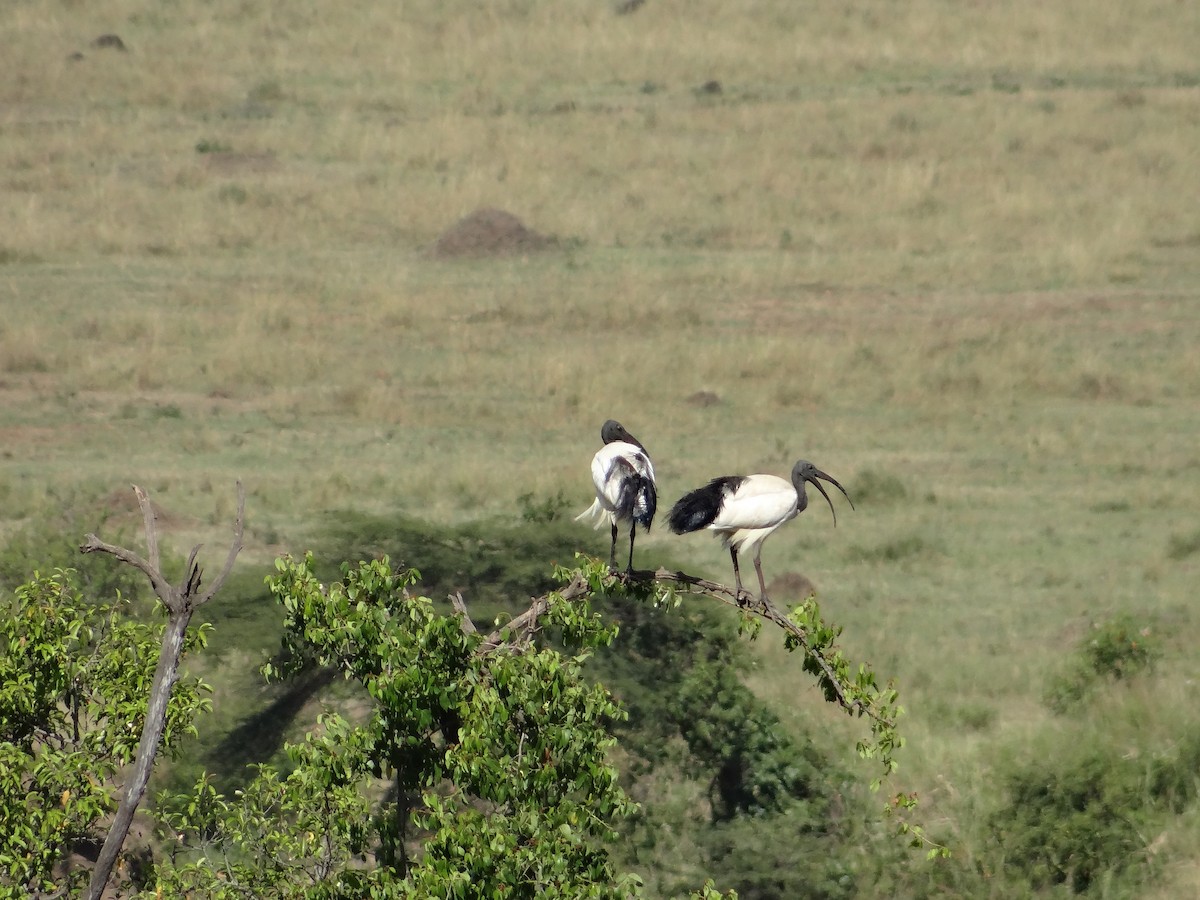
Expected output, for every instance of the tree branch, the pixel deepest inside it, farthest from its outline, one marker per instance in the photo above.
(853, 689)
(239, 529)
(180, 602)
(838, 685)
(764, 610)
(519, 630)
(460, 607)
(150, 521)
(162, 588)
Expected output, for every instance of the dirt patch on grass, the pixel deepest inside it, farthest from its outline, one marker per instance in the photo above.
(490, 232)
(792, 587)
(703, 399)
(230, 163)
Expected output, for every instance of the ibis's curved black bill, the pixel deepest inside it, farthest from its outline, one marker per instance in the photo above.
(810, 473)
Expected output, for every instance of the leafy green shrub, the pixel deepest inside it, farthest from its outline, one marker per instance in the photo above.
(756, 769)
(74, 677)
(675, 672)
(793, 863)
(776, 808)
(1116, 650)
(497, 759)
(1082, 819)
(1071, 821)
(1173, 775)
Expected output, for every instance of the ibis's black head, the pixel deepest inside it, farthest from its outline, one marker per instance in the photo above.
(805, 471)
(612, 431)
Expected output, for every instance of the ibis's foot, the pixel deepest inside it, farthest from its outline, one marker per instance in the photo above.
(743, 599)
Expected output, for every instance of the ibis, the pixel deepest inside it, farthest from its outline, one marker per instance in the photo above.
(625, 488)
(745, 510)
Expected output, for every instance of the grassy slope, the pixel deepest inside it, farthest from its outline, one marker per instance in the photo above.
(949, 252)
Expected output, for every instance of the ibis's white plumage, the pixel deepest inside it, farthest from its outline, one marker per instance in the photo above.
(612, 467)
(744, 510)
(753, 510)
(625, 488)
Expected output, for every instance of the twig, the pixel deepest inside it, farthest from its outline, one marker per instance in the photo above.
(516, 634)
(764, 610)
(93, 544)
(520, 629)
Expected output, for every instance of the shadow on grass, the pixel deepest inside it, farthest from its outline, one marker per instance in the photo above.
(260, 736)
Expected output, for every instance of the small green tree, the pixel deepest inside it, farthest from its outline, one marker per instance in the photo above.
(74, 678)
(481, 769)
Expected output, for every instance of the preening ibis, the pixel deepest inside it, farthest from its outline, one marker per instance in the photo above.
(744, 510)
(625, 488)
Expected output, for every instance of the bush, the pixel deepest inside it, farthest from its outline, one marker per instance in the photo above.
(756, 769)
(792, 863)
(1084, 817)
(74, 676)
(1071, 824)
(473, 772)
(1116, 650)
(1173, 776)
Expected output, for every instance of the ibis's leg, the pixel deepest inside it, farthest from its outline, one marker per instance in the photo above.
(632, 530)
(612, 551)
(737, 576)
(762, 585)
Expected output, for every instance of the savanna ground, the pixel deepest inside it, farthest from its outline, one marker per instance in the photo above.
(948, 252)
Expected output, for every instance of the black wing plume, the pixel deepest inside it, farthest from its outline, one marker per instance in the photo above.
(638, 498)
(697, 509)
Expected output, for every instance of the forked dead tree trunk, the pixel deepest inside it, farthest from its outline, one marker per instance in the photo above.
(181, 601)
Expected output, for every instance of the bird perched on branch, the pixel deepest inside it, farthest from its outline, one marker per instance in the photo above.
(625, 488)
(744, 510)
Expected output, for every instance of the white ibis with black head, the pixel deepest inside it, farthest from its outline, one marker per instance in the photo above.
(744, 510)
(625, 488)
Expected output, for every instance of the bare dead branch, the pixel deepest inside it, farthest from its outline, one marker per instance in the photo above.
(149, 519)
(180, 602)
(239, 529)
(191, 575)
(162, 588)
(519, 630)
(516, 633)
(460, 607)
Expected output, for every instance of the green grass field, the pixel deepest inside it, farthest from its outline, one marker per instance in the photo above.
(950, 253)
